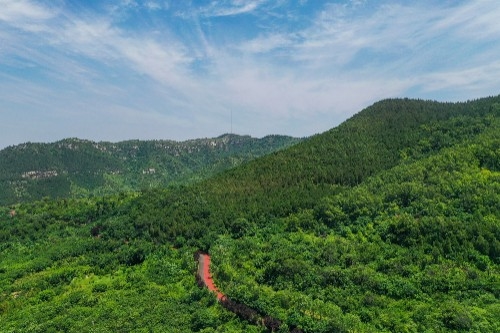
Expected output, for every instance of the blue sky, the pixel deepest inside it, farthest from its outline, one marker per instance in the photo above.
(163, 69)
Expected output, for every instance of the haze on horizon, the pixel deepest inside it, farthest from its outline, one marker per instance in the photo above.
(157, 69)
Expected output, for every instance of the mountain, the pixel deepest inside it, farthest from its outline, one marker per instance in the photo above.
(389, 222)
(77, 168)
(378, 138)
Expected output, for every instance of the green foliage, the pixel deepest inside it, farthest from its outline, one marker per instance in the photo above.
(390, 222)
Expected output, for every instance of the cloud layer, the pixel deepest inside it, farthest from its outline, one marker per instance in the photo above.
(167, 69)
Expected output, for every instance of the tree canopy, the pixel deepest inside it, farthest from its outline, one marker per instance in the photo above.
(389, 222)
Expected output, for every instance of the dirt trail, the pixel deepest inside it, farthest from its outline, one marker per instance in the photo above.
(242, 310)
(206, 277)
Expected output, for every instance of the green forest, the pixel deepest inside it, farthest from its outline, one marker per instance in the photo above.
(75, 168)
(389, 222)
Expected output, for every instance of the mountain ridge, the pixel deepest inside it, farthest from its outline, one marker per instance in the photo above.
(76, 167)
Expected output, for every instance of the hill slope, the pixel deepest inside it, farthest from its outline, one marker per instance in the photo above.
(388, 223)
(378, 138)
(76, 168)
(415, 248)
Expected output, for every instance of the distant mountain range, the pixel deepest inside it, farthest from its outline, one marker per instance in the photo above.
(77, 168)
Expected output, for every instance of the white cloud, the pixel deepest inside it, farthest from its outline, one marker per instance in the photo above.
(476, 79)
(13, 11)
(98, 40)
(165, 63)
(230, 7)
(25, 15)
(264, 44)
(153, 5)
(476, 20)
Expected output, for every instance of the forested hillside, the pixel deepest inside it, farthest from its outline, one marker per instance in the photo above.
(77, 168)
(388, 223)
(378, 138)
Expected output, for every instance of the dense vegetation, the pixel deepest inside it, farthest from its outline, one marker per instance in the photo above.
(389, 222)
(78, 168)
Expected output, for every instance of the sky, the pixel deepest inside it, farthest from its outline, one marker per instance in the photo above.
(114, 70)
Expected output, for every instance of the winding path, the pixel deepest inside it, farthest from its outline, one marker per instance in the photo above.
(240, 309)
(206, 277)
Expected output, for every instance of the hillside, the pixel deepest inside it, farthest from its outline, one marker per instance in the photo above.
(378, 138)
(77, 168)
(389, 222)
(414, 249)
